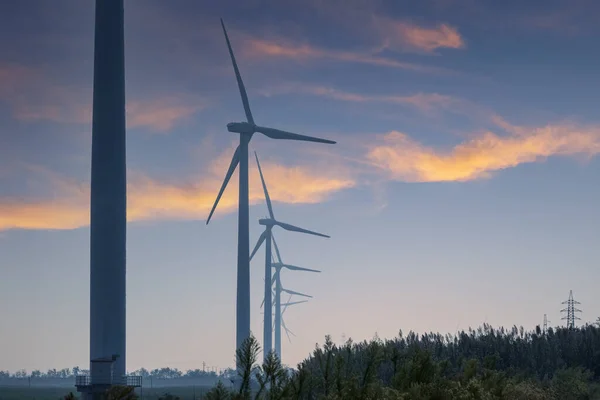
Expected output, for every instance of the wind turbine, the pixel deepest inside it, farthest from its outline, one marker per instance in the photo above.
(279, 265)
(278, 306)
(240, 156)
(265, 237)
(285, 307)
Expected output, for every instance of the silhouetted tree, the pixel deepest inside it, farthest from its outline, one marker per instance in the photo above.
(121, 393)
(169, 396)
(219, 392)
(70, 396)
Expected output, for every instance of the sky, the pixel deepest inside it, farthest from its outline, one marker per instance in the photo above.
(462, 188)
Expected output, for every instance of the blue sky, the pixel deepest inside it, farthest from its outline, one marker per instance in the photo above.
(461, 190)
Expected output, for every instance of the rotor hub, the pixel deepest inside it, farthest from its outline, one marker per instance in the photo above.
(268, 222)
(243, 128)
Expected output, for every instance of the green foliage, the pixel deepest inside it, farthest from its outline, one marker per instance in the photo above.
(122, 393)
(169, 396)
(486, 364)
(526, 390)
(572, 384)
(219, 392)
(246, 358)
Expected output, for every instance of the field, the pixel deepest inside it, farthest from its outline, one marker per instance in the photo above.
(56, 393)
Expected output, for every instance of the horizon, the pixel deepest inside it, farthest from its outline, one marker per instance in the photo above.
(460, 191)
(218, 371)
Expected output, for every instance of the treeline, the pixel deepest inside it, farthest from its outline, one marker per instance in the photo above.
(158, 373)
(482, 364)
(174, 373)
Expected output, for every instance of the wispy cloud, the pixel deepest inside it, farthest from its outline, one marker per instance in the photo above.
(372, 20)
(305, 52)
(163, 113)
(405, 36)
(32, 96)
(404, 159)
(150, 199)
(424, 101)
(12, 76)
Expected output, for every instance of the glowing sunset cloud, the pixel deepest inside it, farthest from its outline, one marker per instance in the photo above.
(405, 159)
(149, 199)
(399, 35)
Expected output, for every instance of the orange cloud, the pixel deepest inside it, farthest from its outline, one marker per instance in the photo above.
(404, 159)
(149, 199)
(398, 35)
(259, 47)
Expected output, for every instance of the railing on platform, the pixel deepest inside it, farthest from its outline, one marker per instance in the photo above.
(129, 380)
(83, 380)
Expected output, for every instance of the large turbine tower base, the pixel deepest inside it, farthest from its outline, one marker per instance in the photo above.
(108, 189)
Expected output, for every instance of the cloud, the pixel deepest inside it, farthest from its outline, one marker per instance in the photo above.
(162, 114)
(33, 96)
(259, 48)
(12, 76)
(405, 36)
(372, 20)
(404, 159)
(395, 156)
(150, 199)
(424, 101)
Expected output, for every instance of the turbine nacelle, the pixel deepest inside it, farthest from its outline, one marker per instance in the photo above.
(244, 128)
(268, 222)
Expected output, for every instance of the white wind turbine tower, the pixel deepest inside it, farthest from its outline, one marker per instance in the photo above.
(279, 265)
(246, 130)
(285, 306)
(265, 237)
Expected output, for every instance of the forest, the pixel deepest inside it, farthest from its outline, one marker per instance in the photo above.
(481, 364)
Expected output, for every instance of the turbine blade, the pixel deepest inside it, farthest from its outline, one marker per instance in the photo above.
(261, 239)
(263, 301)
(295, 268)
(291, 333)
(232, 166)
(294, 303)
(286, 306)
(289, 227)
(239, 78)
(287, 331)
(264, 185)
(276, 248)
(296, 293)
(279, 134)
